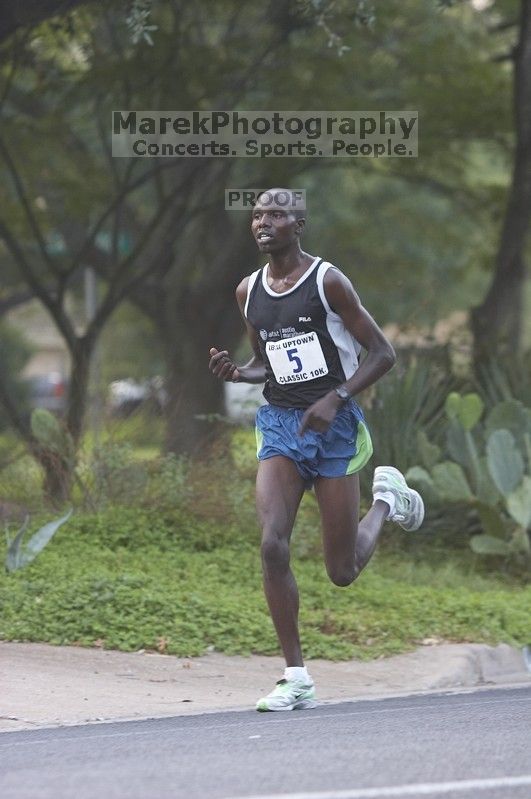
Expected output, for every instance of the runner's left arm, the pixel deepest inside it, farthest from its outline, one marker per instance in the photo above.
(380, 356)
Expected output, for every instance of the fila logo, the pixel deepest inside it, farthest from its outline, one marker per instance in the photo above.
(305, 318)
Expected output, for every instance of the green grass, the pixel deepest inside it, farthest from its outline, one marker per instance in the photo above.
(131, 578)
(170, 562)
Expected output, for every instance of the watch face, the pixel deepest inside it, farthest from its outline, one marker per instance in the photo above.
(343, 394)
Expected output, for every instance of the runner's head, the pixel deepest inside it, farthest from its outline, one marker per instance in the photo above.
(278, 219)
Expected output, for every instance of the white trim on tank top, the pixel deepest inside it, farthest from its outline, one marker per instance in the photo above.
(297, 284)
(250, 284)
(347, 346)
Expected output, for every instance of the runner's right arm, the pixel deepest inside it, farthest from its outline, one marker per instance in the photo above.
(221, 364)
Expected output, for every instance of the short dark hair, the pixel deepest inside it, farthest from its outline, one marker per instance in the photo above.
(298, 213)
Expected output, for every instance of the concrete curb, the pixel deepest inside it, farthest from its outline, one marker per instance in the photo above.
(43, 686)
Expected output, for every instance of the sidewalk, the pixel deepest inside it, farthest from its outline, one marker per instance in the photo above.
(43, 685)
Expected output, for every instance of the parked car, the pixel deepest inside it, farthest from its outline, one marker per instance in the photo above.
(125, 396)
(242, 400)
(48, 391)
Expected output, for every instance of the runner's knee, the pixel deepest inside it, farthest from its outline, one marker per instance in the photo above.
(275, 554)
(342, 576)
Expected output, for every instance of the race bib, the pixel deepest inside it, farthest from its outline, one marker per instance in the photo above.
(296, 359)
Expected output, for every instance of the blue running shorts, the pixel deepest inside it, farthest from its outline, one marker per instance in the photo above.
(344, 449)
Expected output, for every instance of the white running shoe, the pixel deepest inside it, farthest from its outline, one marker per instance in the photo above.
(409, 507)
(289, 695)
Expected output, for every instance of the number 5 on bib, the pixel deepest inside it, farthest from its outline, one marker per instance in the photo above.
(297, 359)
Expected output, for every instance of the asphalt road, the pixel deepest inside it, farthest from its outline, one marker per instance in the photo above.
(474, 745)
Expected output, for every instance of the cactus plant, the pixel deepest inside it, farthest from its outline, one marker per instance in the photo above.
(423, 482)
(450, 482)
(519, 503)
(505, 463)
(510, 415)
(430, 454)
(467, 409)
(497, 484)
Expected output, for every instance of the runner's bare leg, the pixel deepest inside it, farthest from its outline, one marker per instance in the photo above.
(348, 545)
(279, 490)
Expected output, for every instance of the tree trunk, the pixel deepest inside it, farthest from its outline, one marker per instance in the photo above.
(195, 402)
(78, 389)
(58, 476)
(497, 322)
(57, 481)
(58, 467)
(195, 396)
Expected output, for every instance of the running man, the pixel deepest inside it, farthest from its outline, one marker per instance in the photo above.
(307, 327)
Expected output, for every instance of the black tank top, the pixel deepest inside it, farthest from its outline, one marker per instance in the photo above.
(304, 344)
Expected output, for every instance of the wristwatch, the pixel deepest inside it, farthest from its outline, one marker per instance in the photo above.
(342, 393)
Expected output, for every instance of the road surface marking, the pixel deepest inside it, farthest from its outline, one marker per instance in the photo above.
(419, 789)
